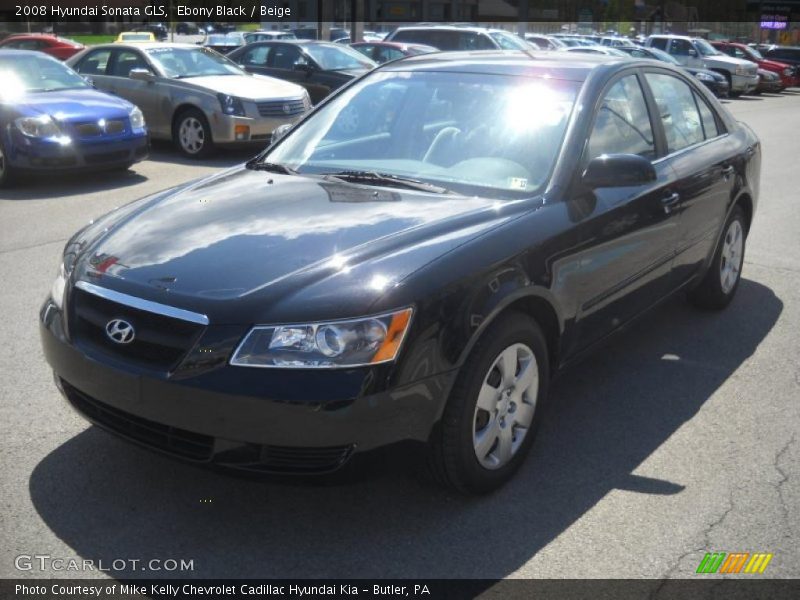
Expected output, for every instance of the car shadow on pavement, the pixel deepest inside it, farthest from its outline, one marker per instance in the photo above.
(37, 186)
(165, 152)
(108, 500)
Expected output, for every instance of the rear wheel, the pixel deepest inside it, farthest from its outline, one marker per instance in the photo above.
(720, 283)
(490, 420)
(192, 134)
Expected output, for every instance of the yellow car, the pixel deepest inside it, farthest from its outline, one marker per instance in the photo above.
(135, 36)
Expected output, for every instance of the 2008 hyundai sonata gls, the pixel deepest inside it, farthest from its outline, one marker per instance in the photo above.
(412, 261)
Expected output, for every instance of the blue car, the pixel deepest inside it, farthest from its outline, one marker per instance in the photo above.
(53, 119)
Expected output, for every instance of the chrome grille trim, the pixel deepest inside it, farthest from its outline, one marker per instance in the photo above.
(141, 304)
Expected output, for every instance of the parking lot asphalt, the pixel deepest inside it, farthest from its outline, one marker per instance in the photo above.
(681, 437)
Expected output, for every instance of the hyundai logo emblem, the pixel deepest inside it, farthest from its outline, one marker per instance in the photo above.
(119, 331)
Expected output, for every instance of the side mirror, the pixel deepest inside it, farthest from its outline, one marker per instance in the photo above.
(304, 67)
(279, 132)
(618, 170)
(89, 80)
(142, 75)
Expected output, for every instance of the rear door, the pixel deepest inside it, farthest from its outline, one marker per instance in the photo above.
(628, 238)
(702, 156)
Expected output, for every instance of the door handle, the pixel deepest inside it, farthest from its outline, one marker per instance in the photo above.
(669, 201)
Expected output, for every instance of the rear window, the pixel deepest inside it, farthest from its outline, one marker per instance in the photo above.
(445, 39)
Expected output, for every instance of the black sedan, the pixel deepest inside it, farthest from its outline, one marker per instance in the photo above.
(320, 67)
(714, 81)
(420, 280)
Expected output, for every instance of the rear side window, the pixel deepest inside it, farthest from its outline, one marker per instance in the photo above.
(677, 110)
(710, 128)
(659, 43)
(256, 56)
(95, 63)
(622, 124)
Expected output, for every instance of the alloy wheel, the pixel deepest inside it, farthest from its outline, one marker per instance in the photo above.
(505, 407)
(731, 260)
(192, 135)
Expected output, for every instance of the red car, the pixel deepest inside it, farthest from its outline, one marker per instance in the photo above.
(788, 74)
(57, 47)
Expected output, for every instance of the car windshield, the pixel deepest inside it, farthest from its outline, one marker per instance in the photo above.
(226, 39)
(136, 37)
(508, 42)
(335, 58)
(490, 135)
(192, 62)
(661, 55)
(753, 53)
(31, 73)
(705, 48)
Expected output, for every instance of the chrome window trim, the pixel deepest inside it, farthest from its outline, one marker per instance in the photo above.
(142, 304)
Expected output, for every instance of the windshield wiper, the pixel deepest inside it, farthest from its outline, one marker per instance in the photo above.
(254, 165)
(376, 178)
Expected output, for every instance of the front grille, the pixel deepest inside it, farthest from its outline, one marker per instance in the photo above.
(96, 129)
(160, 342)
(281, 108)
(254, 458)
(173, 440)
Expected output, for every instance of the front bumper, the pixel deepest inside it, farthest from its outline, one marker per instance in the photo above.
(720, 89)
(744, 83)
(258, 420)
(32, 154)
(233, 130)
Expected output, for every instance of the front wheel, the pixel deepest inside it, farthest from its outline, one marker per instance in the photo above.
(720, 283)
(490, 420)
(192, 134)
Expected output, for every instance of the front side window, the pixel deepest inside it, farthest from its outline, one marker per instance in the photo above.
(680, 47)
(488, 135)
(706, 49)
(622, 124)
(286, 57)
(127, 61)
(677, 110)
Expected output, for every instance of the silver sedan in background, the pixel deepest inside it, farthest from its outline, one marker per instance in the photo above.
(193, 96)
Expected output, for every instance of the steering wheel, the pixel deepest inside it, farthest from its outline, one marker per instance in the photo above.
(445, 135)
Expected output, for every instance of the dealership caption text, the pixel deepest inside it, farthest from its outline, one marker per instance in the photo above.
(103, 10)
(189, 589)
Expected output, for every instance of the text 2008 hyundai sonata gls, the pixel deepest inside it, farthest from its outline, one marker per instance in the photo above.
(412, 261)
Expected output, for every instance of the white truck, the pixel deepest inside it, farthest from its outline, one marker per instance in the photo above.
(742, 75)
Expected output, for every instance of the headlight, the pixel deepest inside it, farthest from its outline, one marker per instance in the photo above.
(38, 127)
(704, 77)
(231, 105)
(787, 71)
(137, 118)
(59, 285)
(306, 100)
(331, 345)
(743, 70)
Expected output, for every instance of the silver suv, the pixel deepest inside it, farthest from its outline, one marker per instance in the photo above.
(697, 53)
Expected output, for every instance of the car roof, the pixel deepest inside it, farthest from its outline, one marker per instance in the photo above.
(473, 28)
(558, 65)
(140, 45)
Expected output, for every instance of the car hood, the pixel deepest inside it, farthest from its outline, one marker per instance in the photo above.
(251, 87)
(248, 246)
(772, 64)
(725, 59)
(75, 105)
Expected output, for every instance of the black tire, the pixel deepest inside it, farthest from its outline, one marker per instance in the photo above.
(6, 171)
(195, 120)
(712, 293)
(452, 456)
